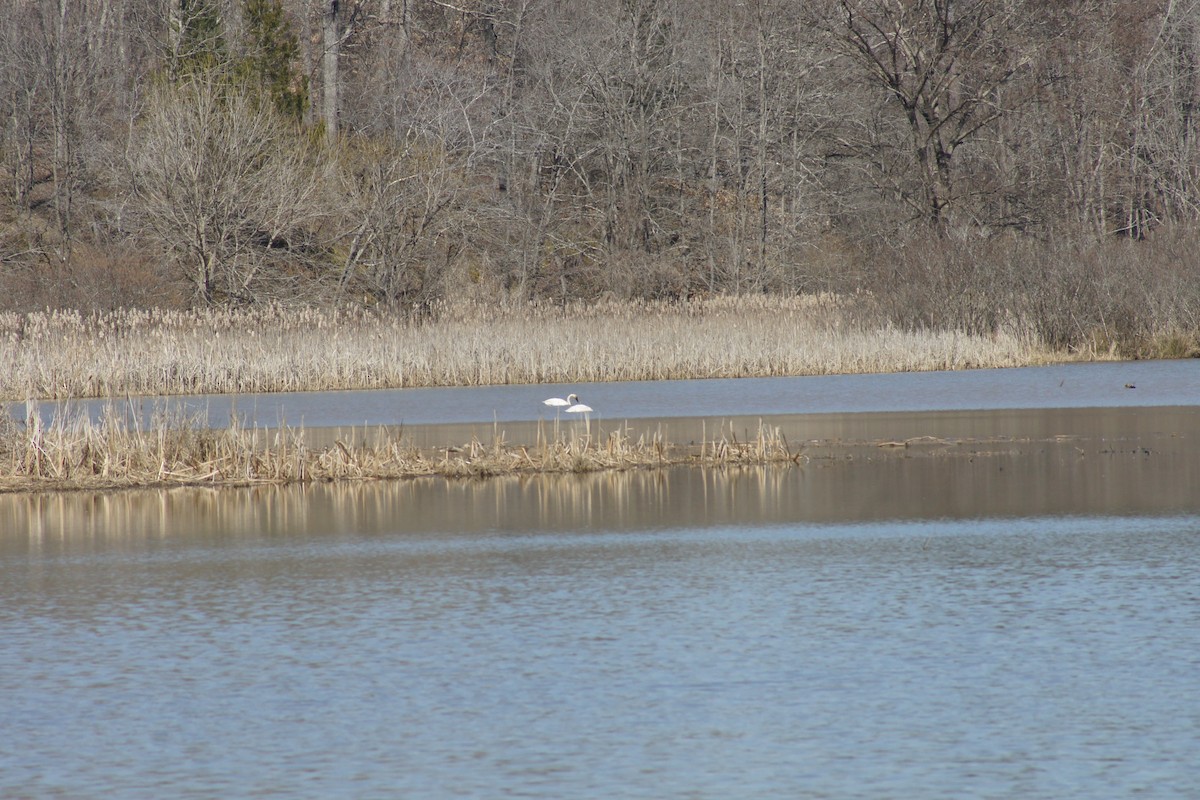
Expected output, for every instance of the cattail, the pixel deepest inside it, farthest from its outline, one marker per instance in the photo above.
(63, 354)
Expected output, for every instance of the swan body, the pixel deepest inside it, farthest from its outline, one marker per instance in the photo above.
(577, 407)
(557, 402)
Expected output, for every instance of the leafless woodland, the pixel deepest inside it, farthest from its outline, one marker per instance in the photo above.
(980, 165)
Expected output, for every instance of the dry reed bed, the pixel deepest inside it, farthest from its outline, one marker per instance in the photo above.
(65, 354)
(116, 452)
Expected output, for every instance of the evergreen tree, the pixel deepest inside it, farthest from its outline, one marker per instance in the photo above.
(272, 49)
(199, 38)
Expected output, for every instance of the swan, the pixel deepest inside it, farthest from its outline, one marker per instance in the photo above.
(572, 399)
(577, 407)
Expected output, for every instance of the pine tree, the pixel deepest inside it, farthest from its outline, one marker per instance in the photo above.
(199, 38)
(272, 49)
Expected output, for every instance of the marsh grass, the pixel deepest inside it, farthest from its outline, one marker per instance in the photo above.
(74, 451)
(65, 354)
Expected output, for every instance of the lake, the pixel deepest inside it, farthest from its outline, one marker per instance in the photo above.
(1008, 607)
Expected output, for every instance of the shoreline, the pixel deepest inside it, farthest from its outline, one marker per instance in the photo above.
(106, 456)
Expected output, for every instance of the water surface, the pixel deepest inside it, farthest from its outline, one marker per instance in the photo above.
(972, 584)
(935, 627)
(1087, 385)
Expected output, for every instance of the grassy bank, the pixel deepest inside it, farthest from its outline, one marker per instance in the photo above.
(78, 453)
(55, 355)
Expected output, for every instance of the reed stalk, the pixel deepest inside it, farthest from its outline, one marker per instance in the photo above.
(74, 451)
(67, 354)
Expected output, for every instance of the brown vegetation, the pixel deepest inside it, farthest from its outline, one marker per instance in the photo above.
(970, 165)
(79, 453)
(275, 348)
(1122, 298)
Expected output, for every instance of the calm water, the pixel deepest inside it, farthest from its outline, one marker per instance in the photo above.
(1122, 384)
(1022, 625)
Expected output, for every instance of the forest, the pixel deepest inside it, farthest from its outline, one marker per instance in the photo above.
(978, 165)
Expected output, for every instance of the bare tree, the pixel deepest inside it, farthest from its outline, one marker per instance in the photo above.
(1168, 116)
(331, 38)
(597, 128)
(56, 97)
(945, 64)
(400, 213)
(22, 88)
(761, 110)
(228, 188)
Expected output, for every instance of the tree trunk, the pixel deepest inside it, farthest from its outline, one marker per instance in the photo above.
(329, 68)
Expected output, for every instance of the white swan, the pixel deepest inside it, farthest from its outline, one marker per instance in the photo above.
(577, 407)
(558, 401)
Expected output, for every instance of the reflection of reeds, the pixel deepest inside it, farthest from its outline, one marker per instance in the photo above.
(75, 451)
(548, 501)
(66, 354)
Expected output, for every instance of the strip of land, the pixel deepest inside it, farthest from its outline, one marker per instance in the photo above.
(114, 453)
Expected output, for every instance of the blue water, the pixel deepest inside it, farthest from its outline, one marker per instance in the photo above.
(1087, 385)
(1013, 617)
(296, 643)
